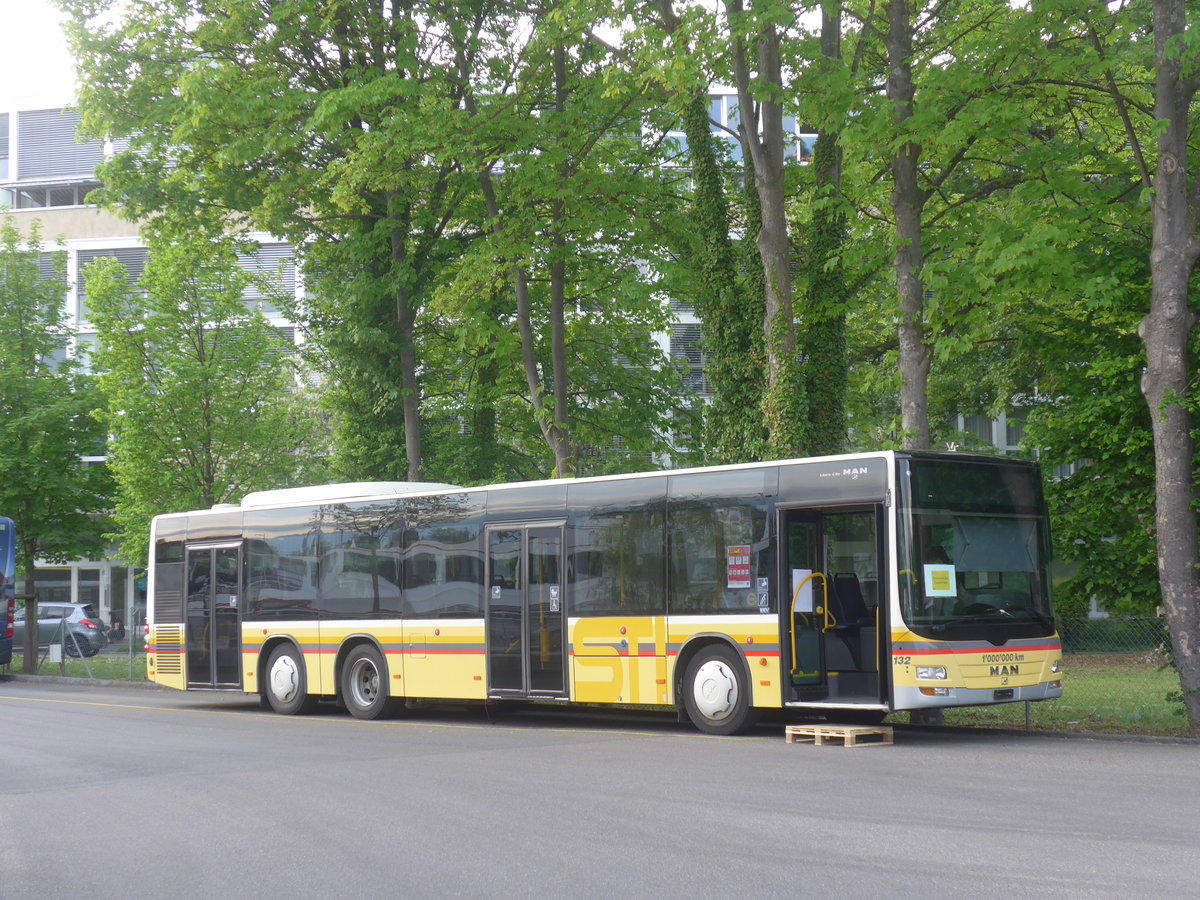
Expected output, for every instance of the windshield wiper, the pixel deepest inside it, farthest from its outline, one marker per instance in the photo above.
(991, 618)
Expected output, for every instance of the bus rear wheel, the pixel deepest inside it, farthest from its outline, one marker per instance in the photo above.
(716, 693)
(286, 687)
(365, 684)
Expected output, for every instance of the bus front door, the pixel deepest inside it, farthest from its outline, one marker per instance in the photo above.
(213, 639)
(832, 614)
(525, 614)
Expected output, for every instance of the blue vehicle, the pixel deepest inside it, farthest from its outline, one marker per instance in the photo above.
(8, 553)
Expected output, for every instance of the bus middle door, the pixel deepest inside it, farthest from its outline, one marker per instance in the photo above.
(525, 611)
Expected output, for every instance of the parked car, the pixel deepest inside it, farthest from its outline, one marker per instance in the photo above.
(84, 631)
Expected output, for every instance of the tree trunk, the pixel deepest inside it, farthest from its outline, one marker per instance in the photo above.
(784, 405)
(557, 438)
(908, 202)
(728, 309)
(411, 397)
(29, 663)
(728, 314)
(823, 341)
(1165, 331)
(564, 463)
(406, 315)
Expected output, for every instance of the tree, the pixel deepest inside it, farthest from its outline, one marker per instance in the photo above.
(200, 392)
(341, 126)
(730, 311)
(773, 303)
(54, 498)
(822, 342)
(572, 207)
(1125, 91)
(948, 93)
(316, 121)
(1167, 332)
(758, 73)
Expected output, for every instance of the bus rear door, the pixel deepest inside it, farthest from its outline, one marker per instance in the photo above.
(214, 631)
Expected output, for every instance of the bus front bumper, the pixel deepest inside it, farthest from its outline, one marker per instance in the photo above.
(911, 697)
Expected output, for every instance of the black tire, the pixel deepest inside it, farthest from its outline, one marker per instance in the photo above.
(75, 646)
(365, 684)
(716, 692)
(285, 684)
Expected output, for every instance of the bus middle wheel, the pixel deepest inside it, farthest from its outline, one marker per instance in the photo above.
(716, 694)
(287, 687)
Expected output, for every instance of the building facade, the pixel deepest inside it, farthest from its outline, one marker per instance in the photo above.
(46, 174)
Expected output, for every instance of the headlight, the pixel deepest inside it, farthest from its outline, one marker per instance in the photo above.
(933, 672)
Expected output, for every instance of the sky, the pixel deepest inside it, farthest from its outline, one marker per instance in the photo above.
(36, 71)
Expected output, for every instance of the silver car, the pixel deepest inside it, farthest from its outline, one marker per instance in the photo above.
(77, 626)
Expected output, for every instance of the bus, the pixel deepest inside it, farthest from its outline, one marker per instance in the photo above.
(847, 586)
(8, 555)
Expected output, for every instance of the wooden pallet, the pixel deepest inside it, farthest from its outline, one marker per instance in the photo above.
(850, 735)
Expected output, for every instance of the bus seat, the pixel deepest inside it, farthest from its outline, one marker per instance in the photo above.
(847, 602)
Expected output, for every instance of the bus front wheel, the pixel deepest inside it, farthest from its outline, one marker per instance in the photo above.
(716, 693)
(287, 688)
(365, 684)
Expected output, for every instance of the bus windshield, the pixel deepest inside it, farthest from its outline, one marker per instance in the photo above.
(973, 550)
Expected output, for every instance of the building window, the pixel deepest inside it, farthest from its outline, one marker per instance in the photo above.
(43, 196)
(688, 355)
(1014, 433)
(133, 259)
(47, 146)
(273, 270)
(978, 425)
(3, 148)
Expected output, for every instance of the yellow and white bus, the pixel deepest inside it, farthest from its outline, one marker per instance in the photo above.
(851, 586)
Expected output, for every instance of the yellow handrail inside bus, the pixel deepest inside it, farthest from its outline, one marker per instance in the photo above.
(824, 608)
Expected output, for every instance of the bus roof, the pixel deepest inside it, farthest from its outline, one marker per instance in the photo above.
(356, 490)
(364, 490)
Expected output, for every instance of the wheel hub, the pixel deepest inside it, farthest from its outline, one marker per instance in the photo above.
(364, 680)
(285, 678)
(715, 690)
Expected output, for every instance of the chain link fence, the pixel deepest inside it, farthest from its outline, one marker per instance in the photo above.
(1117, 678)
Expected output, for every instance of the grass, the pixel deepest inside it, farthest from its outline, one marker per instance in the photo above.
(1109, 693)
(112, 664)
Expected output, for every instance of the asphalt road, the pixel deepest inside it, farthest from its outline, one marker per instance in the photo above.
(128, 792)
